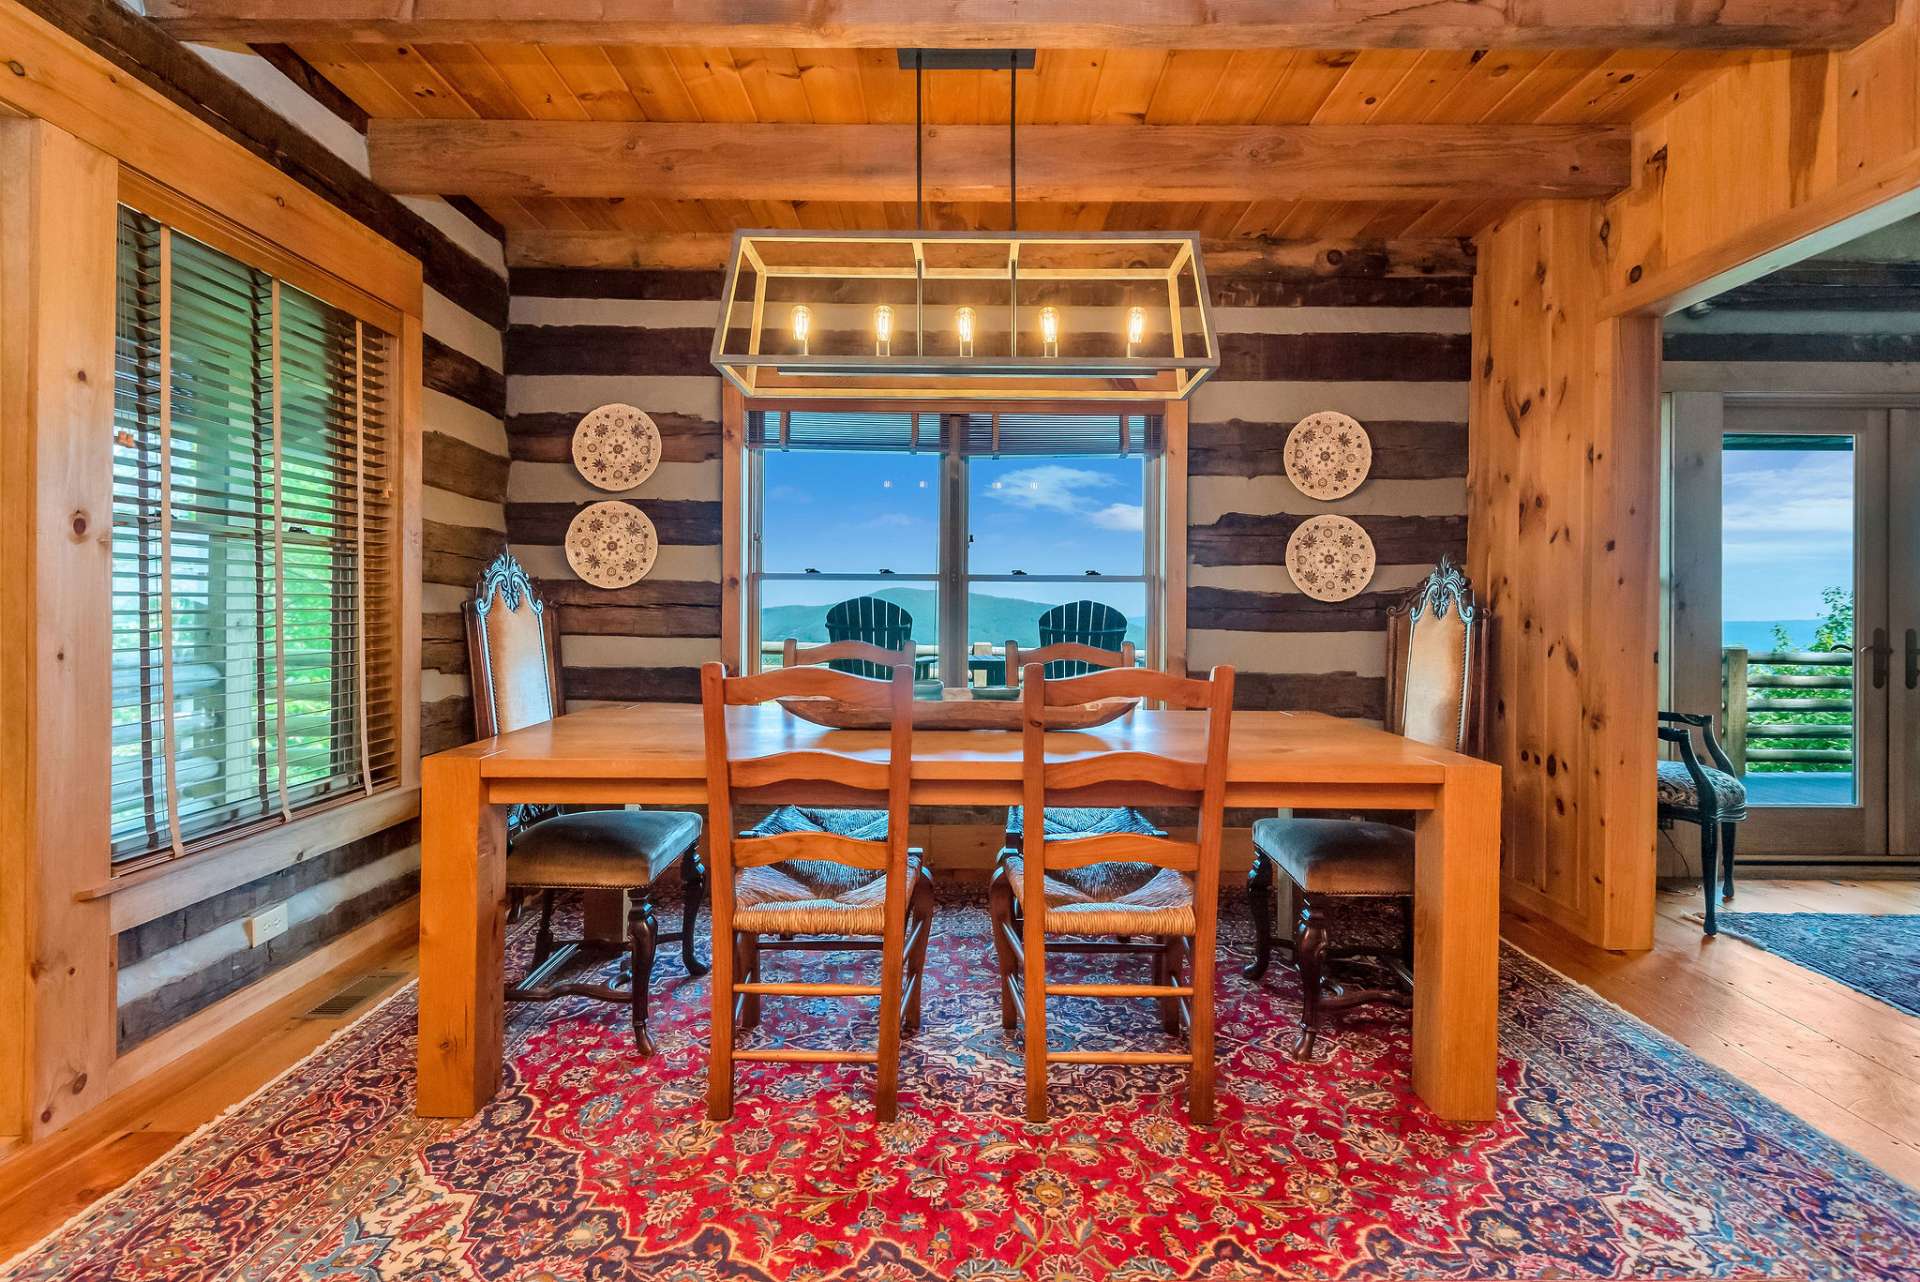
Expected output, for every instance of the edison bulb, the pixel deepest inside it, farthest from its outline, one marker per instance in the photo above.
(801, 322)
(1136, 324)
(1050, 330)
(882, 330)
(963, 326)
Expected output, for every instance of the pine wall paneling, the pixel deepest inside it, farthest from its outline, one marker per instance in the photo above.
(1776, 158)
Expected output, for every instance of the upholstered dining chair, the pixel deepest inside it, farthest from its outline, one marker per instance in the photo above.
(816, 891)
(1711, 796)
(1437, 646)
(1174, 908)
(512, 647)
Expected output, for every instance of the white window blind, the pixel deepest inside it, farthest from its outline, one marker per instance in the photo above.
(253, 524)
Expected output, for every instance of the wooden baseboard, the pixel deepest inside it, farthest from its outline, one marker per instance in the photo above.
(161, 1065)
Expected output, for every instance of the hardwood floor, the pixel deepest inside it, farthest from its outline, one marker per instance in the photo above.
(1844, 1062)
(1847, 1064)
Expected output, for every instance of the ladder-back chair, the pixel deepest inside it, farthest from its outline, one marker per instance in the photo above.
(840, 655)
(1177, 906)
(816, 891)
(513, 644)
(1074, 658)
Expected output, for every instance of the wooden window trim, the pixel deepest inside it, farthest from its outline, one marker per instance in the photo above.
(348, 816)
(1166, 551)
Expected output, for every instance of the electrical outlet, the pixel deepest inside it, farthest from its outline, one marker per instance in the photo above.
(270, 924)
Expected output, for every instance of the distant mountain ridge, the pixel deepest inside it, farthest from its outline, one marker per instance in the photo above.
(989, 618)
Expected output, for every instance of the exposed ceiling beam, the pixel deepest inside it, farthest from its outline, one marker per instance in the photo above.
(1058, 163)
(1049, 24)
(705, 251)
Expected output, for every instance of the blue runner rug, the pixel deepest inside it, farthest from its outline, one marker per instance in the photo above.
(1875, 955)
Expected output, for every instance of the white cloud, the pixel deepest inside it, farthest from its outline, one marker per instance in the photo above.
(1120, 516)
(1050, 486)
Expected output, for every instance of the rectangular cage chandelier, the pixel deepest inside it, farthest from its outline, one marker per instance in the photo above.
(965, 316)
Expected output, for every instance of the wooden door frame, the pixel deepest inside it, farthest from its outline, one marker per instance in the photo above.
(1700, 420)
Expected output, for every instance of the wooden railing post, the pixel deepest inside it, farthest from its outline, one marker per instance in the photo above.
(1734, 718)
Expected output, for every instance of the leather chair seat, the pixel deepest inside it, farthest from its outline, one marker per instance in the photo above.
(1339, 856)
(601, 849)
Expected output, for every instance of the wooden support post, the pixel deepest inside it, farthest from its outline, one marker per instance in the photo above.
(1734, 721)
(58, 1029)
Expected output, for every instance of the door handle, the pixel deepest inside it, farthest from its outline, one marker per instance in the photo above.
(1913, 658)
(1882, 653)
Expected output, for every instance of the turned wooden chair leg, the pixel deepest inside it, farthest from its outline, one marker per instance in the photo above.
(642, 931)
(919, 918)
(543, 937)
(693, 877)
(1309, 951)
(1167, 965)
(1000, 910)
(1709, 877)
(1260, 896)
(1726, 861)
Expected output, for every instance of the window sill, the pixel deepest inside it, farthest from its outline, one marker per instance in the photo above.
(140, 896)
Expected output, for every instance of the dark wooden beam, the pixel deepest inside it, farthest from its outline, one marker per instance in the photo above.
(1049, 24)
(1059, 163)
(1824, 285)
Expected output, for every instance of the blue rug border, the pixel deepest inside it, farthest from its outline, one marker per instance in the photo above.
(1730, 924)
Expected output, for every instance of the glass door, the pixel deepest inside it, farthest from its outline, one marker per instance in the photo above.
(1784, 576)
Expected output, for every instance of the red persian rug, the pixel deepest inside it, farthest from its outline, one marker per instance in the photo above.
(1616, 1154)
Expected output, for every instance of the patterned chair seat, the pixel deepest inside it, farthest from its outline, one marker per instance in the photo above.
(1111, 899)
(1067, 822)
(1677, 790)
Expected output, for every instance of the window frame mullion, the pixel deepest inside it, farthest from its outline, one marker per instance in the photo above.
(954, 673)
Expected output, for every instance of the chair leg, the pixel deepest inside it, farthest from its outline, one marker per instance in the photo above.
(1034, 1007)
(746, 949)
(1708, 871)
(1260, 895)
(1726, 861)
(693, 877)
(1309, 952)
(543, 937)
(1000, 908)
(1167, 964)
(919, 918)
(641, 929)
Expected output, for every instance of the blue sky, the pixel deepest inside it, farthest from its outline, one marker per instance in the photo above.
(1787, 526)
(860, 513)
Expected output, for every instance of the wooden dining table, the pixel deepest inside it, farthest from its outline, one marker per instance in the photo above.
(653, 754)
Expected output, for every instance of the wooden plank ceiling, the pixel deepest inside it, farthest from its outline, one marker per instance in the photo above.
(1122, 86)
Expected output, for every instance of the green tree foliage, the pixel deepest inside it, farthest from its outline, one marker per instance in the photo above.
(1834, 634)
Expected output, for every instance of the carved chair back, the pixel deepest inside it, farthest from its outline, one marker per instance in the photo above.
(512, 644)
(1437, 648)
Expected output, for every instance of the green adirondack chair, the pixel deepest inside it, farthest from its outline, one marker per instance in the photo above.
(1093, 623)
(873, 620)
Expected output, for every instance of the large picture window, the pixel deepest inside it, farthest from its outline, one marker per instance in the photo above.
(253, 526)
(969, 528)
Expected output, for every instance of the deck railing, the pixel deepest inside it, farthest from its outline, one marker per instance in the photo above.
(1764, 682)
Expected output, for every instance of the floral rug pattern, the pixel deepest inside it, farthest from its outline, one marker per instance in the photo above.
(1616, 1155)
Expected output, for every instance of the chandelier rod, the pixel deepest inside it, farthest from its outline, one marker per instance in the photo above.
(1013, 145)
(919, 197)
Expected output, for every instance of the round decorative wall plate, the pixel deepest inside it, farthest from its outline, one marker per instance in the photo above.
(1330, 558)
(611, 545)
(1327, 455)
(616, 447)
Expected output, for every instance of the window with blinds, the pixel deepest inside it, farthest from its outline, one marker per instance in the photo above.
(1055, 435)
(253, 527)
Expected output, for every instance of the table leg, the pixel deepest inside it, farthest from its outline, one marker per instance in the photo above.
(463, 912)
(1456, 946)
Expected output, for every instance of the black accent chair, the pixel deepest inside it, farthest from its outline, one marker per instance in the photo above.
(1711, 796)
